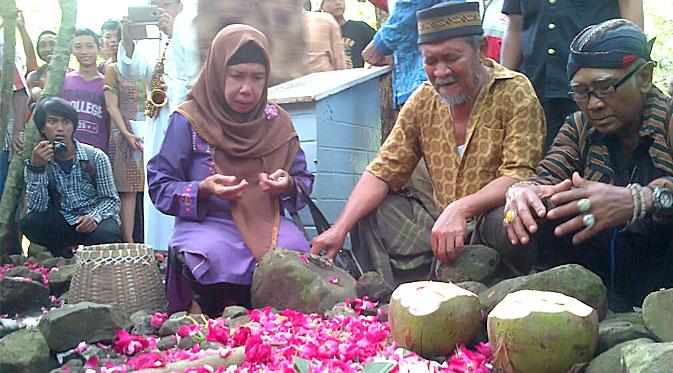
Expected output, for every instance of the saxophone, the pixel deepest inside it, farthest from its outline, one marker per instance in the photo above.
(157, 97)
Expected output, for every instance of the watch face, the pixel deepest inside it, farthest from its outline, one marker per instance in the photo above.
(666, 199)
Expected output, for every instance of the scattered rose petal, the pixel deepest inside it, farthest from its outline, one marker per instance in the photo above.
(158, 319)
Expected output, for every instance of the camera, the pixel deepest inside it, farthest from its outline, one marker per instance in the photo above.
(59, 147)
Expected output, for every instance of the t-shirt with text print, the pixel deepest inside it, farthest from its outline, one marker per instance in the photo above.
(87, 97)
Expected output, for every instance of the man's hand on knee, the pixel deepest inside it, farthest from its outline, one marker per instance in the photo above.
(448, 233)
(85, 224)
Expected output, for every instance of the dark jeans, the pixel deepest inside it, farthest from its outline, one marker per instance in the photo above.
(212, 298)
(639, 262)
(51, 230)
(555, 111)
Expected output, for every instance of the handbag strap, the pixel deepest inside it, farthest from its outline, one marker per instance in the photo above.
(345, 258)
(321, 223)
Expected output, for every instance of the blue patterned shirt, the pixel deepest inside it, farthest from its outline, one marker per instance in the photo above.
(78, 196)
(399, 37)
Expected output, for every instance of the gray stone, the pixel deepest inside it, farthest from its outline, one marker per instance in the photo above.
(60, 277)
(142, 323)
(64, 297)
(339, 309)
(383, 312)
(472, 286)
(179, 319)
(186, 343)
(572, 280)
(71, 366)
(233, 312)
(618, 328)
(54, 262)
(646, 358)
(475, 263)
(310, 284)
(610, 360)
(34, 249)
(66, 327)
(167, 342)
(41, 256)
(238, 321)
(25, 272)
(373, 286)
(22, 296)
(658, 314)
(632, 317)
(24, 350)
(17, 259)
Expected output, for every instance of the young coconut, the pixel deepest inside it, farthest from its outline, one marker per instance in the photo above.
(542, 331)
(431, 318)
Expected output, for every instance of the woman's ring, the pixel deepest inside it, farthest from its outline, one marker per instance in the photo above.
(584, 205)
(589, 220)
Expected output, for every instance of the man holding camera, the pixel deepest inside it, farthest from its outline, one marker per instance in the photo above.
(70, 190)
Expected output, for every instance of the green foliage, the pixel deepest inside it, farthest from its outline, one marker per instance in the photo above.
(659, 23)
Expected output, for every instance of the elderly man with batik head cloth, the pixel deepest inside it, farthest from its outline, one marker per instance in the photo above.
(479, 128)
(613, 164)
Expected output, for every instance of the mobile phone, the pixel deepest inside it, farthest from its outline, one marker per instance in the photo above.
(148, 14)
(144, 22)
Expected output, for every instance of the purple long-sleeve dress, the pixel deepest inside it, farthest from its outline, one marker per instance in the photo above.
(205, 231)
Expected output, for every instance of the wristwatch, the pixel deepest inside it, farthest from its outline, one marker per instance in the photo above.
(662, 200)
(32, 167)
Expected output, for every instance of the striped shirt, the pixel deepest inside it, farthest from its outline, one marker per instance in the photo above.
(77, 195)
(580, 147)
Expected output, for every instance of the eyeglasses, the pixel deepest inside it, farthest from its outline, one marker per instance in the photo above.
(602, 93)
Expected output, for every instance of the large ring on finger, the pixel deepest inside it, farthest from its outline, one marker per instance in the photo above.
(589, 220)
(584, 205)
(510, 215)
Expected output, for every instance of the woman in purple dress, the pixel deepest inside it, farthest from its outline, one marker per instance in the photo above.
(227, 165)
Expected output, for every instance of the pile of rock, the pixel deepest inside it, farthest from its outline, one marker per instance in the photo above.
(559, 316)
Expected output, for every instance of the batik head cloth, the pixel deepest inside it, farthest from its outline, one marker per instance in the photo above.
(612, 44)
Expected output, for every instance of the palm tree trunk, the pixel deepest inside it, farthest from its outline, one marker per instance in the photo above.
(57, 69)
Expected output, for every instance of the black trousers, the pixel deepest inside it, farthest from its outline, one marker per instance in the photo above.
(555, 111)
(632, 263)
(51, 230)
(212, 298)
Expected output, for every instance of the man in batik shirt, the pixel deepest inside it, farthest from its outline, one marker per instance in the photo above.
(478, 126)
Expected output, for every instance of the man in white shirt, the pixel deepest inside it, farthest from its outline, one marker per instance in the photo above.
(181, 66)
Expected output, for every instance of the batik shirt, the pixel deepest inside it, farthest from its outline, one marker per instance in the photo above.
(579, 147)
(504, 137)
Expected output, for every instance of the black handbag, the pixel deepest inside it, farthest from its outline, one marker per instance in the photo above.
(345, 258)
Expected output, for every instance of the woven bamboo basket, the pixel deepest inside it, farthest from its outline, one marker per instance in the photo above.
(120, 274)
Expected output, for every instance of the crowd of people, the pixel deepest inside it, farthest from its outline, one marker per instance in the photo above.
(560, 153)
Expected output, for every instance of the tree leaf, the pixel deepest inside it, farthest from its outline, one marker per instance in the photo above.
(378, 367)
(301, 365)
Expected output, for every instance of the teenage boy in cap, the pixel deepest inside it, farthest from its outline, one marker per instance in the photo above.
(613, 162)
(478, 126)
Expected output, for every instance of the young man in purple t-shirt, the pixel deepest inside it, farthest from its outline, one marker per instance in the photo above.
(84, 90)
